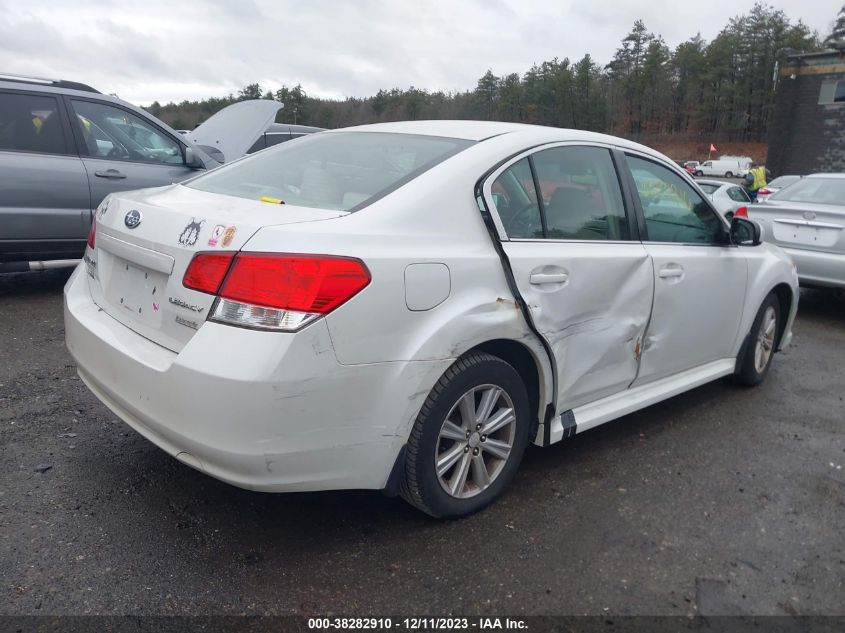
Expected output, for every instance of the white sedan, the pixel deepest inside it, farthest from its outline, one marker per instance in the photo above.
(406, 306)
(727, 197)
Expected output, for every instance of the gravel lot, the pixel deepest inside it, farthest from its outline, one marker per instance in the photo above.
(720, 501)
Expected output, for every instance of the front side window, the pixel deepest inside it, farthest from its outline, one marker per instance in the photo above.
(31, 123)
(332, 170)
(673, 210)
(113, 133)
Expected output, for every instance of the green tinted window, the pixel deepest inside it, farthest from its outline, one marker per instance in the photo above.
(673, 210)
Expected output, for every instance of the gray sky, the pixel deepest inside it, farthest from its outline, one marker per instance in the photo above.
(166, 50)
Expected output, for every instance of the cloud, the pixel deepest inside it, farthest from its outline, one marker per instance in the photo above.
(173, 50)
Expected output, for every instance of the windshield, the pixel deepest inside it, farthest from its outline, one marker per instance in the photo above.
(333, 170)
(707, 188)
(783, 181)
(814, 190)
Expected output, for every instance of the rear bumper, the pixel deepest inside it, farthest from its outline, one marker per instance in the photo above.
(260, 410)
(816, 268)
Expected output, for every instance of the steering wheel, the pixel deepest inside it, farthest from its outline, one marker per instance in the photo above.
(519, 224)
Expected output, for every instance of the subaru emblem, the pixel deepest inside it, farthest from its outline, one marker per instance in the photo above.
(809, 215)
(132, 219)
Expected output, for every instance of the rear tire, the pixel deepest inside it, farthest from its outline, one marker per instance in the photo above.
(762, 341)
(729, 174)
(453, 467)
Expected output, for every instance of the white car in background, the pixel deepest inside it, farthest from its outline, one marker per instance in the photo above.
(406, 306)
(727, 197)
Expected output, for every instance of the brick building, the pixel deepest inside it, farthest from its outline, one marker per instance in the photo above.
(807, 134)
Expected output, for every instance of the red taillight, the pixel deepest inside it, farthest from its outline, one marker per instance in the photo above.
(206, 271)
(92, 233)
(763, 191)
(315, 284)
(741, 212)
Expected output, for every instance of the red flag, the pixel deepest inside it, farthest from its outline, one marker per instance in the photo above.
(712, 147)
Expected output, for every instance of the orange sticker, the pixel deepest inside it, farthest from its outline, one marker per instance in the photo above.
(228, 236)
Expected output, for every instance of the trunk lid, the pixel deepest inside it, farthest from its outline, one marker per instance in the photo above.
(805, 226)
(229, 133)
(135, 274)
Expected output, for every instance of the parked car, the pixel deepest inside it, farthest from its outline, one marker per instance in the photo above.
(807, 219)
(727, 197)
(776, 185)
(404, 307)
(64, 147)
(725, 168)
(690, 166)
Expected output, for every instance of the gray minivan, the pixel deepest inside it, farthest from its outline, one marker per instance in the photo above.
(64, 146)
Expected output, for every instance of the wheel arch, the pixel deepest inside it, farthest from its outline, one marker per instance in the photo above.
(530, 369)
(786, 299)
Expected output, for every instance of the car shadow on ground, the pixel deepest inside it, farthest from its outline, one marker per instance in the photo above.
(47, 282)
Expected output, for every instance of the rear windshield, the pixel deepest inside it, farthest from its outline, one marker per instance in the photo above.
(706, 187)
(784, 181)
(815, 190)
(332, 170)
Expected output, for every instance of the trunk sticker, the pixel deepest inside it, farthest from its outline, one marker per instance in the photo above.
(191, 233)
(216, 233)
(229, 235)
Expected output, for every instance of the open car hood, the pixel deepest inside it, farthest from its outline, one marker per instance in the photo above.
(229, 133)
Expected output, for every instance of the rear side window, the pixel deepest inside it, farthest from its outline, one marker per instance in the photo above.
(707, 188)
(335, 170)
(31, 123)
(581, 194)
(673, 210)
(515, 198)
(738, 195)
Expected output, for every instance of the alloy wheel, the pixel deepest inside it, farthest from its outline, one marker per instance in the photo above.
(475, 441)
(765, 339)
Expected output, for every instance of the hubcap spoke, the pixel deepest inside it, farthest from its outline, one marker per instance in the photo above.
(467, 407)
(458, 481)
(479, 472)
(488, 401)
(452, 431)
(502, 418)
(446, 460)
(497, 448)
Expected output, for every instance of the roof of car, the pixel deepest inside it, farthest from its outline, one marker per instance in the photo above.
(481, 130)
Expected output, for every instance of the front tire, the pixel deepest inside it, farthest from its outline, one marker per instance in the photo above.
(468, 439)
(762, 341)
(699, 173)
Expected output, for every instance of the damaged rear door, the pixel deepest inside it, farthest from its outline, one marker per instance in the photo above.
(587, 281)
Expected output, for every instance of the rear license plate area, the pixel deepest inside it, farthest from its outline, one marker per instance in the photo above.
(136, 291)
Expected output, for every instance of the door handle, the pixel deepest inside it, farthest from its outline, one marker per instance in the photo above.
(112, 174)
(670, 271)
(548, 278)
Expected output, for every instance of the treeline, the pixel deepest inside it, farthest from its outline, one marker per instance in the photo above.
(721, 90)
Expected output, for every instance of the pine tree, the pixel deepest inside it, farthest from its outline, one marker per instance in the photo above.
(837, 38)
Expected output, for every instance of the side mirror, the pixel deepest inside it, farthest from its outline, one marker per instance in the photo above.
(192, 160)
(744, 232)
